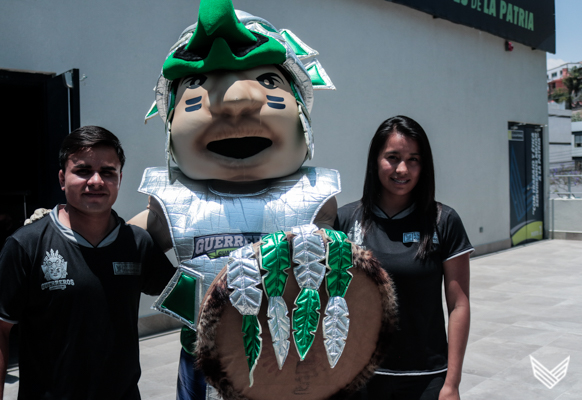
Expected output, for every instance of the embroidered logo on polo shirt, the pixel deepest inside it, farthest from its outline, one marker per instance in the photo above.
(411, 237)
(355, 233)
(414, 237)
(54, 267)
(127, 268)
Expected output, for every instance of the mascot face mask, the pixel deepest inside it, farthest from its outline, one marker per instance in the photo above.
(237, 125)
(235, 95)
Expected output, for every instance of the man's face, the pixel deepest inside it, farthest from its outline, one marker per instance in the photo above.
(237, 126)
(91, 180)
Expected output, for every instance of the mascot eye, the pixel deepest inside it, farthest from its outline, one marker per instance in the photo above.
(269, 80)
(195, 81)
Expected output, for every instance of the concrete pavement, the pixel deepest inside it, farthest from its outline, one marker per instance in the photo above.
(525, 302)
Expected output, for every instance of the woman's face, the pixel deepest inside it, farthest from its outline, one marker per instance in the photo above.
(399, 167)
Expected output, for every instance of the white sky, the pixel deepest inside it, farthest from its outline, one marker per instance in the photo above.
(568, 42)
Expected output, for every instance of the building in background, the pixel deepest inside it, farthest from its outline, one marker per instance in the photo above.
(565, 146)
(576, 128)
(555, 79)
(468, 71)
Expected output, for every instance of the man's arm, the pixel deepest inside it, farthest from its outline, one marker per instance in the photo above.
(5, 328)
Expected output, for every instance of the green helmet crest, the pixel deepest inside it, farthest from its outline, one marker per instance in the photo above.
(221, 41)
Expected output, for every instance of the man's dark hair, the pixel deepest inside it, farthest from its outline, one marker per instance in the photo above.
(87, 137)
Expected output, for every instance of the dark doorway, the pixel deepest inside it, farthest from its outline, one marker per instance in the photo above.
(38, 110)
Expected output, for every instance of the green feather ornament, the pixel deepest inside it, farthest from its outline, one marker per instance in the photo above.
(305, 320)
(252, 341)
(339, 260)
(275, 259)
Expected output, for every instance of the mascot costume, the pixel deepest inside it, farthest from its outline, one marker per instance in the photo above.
(248, 223)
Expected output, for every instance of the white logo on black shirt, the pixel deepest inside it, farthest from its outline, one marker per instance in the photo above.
(355, 233)
(54, 267)
(411, 237)
(414, 237)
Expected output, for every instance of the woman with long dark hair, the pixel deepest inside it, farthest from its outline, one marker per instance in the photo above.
(419, 242)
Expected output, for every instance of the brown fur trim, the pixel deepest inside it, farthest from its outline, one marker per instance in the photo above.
(217, 300)
(208, 358)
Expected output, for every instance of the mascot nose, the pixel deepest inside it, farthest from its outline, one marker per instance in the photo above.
(238, 99)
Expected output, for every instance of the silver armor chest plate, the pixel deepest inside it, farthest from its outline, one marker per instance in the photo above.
(195, 211)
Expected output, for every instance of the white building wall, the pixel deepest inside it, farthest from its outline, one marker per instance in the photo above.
(560, 135)
(576, 131)
(385, 59)
(559, 124)
(561, 155)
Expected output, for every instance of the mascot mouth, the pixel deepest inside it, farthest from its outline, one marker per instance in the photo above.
(240, 147)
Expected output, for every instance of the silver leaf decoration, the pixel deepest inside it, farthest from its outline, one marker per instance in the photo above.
(310, 275)
(279, 326)
(308, 250)
(307, 246)
(243, 276)
(335, 328)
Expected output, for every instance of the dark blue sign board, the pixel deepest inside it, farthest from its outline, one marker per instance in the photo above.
(529, 22)
(526, 183)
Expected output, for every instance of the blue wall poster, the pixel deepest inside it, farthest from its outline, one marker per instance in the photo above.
(526, 183)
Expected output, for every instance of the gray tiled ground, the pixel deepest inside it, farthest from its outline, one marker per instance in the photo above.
(525, 301)
(159, 362)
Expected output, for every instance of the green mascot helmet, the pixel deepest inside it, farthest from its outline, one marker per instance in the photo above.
(229, 39)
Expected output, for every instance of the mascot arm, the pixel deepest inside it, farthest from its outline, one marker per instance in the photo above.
(38, 214)
(153, 221)
(326, 215)
(140, 220)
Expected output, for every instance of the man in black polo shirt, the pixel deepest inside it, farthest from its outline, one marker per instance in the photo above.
(73, 281)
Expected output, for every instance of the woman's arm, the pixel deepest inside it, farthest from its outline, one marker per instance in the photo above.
(456, 272)
(5, 328)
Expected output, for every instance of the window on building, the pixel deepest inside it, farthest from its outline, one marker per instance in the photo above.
(561, 73)
(578, 141)
(554, 74)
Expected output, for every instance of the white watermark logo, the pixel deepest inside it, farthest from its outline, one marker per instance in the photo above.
(547, 377)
